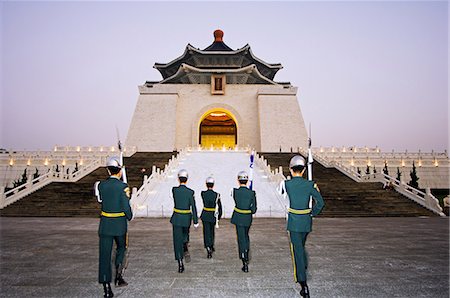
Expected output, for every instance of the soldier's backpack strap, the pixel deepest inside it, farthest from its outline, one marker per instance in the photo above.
(97, 191)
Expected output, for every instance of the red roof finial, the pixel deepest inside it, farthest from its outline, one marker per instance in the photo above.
(218, 35)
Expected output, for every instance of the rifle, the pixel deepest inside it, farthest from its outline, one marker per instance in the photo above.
(310, 162)
(119, 145)
(216, 213)
(124, 264)
(252, 157)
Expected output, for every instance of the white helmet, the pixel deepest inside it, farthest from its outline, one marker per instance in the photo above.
(297, 160)
(242, 175)
(114, 161)
(183, 173)
(210, 180)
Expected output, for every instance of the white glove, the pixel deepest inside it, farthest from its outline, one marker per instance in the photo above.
(196, 225)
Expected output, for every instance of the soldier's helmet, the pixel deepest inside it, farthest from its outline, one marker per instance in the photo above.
(210, 180)
(183, 173)
(297, 161)
(242, 175)
(114, 161)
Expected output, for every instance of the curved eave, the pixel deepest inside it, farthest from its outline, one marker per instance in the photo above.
(190, 48)
(186, 68)
(269, 65)
(182, 57)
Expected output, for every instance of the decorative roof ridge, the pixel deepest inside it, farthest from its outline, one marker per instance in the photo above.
(190, 47)
(244, 48)
(249, 68)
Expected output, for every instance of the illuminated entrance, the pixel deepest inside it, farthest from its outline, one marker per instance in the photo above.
(218, 129)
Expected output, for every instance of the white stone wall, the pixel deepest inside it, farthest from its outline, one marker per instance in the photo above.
(153, 125)
(168, 116)
(281, 121)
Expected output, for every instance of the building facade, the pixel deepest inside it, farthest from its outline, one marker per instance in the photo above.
(217, 97)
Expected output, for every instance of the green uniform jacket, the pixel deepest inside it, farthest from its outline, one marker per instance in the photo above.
(299, 190)
(115, 199)
(183, 199)
(209, 198)
(244, 199)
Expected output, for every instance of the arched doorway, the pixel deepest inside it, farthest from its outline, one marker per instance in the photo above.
(218, 129)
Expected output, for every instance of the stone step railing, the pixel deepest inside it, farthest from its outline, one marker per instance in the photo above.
(13, 164)
(392, 159)
(12, 157)
(276, 177)
(33, 185)
(138, 196)
(426, 199)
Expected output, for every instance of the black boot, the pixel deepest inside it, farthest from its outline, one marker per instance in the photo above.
(119, 281)
(304, 292)
(187, 255)
(107, 290)
(180, 266)
(244, 263)
(209, 253)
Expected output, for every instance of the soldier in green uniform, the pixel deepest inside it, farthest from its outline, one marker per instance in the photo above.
(184, 212)
(245, 206)
(114, 196)
(300, 213)
(212, 212)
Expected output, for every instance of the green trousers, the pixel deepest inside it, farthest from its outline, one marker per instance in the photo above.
(208, 233)
(299, 256)
(106, 246)
(243, 239)
(180, 236)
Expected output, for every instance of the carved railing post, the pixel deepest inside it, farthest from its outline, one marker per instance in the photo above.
(2, 196)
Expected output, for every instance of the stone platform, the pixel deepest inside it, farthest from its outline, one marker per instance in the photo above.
(349, 257)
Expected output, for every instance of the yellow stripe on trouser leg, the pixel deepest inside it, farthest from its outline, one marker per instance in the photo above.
(293, 262)
(209, 209)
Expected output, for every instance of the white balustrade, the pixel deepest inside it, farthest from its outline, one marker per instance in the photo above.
(33, 185)
(427, 200)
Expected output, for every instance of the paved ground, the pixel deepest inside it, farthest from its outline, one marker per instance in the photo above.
(354, 257)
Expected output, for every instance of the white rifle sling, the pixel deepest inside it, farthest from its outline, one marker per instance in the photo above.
(97, 192)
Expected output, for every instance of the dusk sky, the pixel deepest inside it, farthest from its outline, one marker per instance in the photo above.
(368, 73)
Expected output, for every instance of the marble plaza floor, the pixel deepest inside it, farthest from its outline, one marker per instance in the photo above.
(349, 257)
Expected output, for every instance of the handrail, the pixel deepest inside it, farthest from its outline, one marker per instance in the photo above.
(275, 178)
(149, 182)
(33, 185)
(426, 200)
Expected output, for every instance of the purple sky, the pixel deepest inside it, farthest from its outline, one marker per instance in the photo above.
(369, 73)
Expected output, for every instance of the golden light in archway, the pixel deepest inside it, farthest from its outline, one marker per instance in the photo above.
(218, 129)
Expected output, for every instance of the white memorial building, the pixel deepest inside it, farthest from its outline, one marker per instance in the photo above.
(217, 97)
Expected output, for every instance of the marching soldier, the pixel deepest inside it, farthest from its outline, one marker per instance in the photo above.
(183, 212)
(300, 213)
(114, 196)
(245, 206)
(212, 212)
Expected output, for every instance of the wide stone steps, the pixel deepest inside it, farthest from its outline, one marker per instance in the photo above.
(345, 197)
(65, 199)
